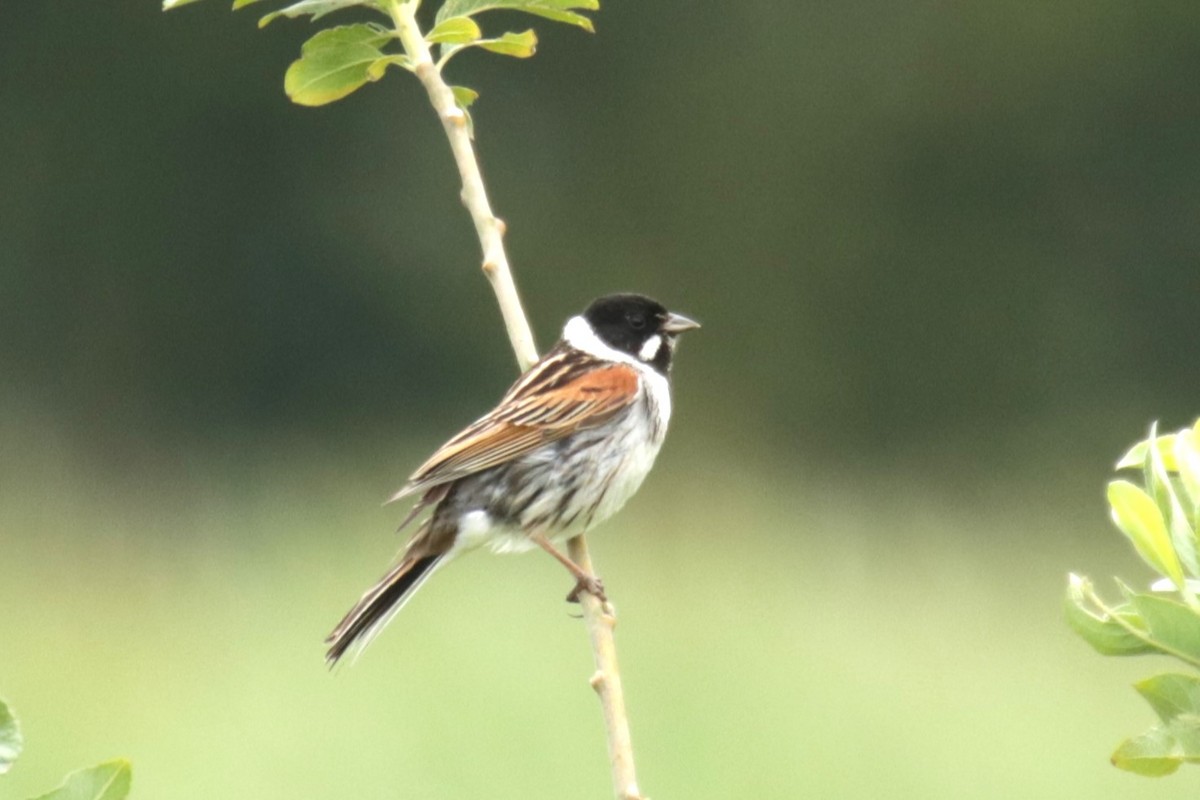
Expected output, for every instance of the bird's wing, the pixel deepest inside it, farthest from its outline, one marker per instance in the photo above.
(564, 392)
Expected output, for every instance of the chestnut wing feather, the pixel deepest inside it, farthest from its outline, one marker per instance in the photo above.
(561, 394)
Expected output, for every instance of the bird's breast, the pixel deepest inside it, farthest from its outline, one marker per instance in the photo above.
(567, 486)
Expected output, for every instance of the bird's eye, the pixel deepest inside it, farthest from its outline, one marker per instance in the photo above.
(636, 321)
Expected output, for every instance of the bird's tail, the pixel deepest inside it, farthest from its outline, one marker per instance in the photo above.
(380, 603)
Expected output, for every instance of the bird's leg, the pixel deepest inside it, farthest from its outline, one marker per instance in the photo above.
(584, 582)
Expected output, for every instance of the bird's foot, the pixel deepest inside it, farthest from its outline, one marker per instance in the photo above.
(590, 584)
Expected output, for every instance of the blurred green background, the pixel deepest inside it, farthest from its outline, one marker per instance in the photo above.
(946, 259)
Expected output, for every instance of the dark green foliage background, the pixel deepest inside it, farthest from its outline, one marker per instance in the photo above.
(898, 219)
(946, 255)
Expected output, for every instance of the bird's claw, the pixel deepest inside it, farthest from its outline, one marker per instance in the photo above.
(590, 584)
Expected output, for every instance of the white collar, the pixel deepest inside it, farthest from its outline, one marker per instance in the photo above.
(579, 334)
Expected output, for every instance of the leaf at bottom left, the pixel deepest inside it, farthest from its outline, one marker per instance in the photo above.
(107, 781)
(10, 738)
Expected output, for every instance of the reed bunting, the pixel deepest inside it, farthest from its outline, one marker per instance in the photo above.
(568, 444)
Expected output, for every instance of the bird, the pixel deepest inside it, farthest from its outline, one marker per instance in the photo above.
(568, 444)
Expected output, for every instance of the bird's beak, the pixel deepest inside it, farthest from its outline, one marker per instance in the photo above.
(678, 323)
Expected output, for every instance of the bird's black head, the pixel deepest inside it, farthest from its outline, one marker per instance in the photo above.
(638, 326)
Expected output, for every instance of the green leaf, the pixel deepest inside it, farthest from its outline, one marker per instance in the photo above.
(1159, 751)
(1183, 537)
(464, 98)
(1099, 626)
(517, 45)
(107, 781)
(1136, 514)
(169, 4)
(1154, 753)
(456, 30)
(1187, 463)
(334, 63)
(10, 738)
(1163, 490)
(557, 10)
(1137, 454)
(314, 8)
(1172, 696)
(1153, 473)
(379, 66)
(1172, 625)
(347, 36)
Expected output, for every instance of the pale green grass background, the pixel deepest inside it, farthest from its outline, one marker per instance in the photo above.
(780, 638)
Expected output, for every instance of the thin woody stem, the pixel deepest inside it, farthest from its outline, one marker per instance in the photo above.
(598, 615)
(601, 619)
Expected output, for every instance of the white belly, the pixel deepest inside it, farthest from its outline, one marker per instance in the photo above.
(606, 467)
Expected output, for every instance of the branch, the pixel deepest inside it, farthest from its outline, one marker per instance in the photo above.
(599, 616)
(601, 619)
